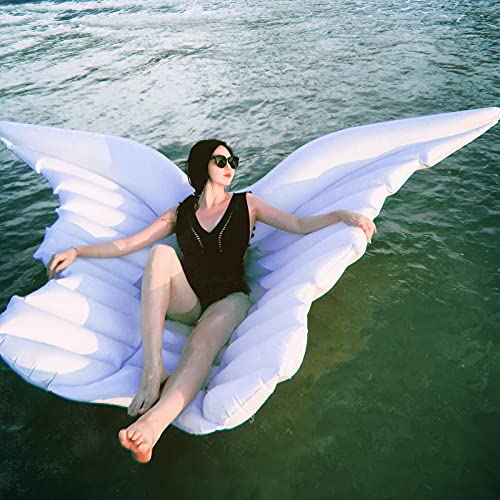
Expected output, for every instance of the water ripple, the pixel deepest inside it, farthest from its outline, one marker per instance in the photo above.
(269, 77)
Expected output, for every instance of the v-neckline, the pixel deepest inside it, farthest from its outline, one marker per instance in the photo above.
(220, 220)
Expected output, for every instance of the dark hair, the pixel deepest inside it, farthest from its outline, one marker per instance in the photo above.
(197, 170)
(197, 164)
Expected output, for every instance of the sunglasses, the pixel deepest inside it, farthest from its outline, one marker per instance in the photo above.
(221, 161)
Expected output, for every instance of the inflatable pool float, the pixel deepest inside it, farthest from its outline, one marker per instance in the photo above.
(78, 336)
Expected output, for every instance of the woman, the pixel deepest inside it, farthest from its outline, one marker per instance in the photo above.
(207, 289)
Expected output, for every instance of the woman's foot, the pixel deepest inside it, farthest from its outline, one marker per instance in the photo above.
(139, 437)
(149, 389)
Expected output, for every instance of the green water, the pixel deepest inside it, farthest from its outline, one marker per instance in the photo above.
(397, 397)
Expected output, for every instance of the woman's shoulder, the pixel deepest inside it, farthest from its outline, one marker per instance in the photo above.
(250, 198)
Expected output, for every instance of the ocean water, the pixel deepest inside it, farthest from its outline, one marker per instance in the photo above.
(398, 395)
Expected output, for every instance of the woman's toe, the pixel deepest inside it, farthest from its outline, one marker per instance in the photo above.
(122, 435)
(124, 440)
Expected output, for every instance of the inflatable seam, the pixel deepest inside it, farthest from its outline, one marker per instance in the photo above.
(88, 355)
(72, 323)
(71, 291)
(57, 191)
(242, 406)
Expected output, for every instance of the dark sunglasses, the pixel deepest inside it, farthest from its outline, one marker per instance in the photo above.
(221, 161)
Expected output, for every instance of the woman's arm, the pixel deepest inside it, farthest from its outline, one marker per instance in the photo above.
(305, 225)
(160, 228)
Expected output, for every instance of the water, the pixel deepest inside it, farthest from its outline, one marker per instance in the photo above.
(398, 393)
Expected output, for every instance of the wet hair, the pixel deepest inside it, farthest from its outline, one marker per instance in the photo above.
(197, 164)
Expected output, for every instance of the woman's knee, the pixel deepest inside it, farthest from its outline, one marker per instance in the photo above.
(162, 251)
(163, 257)
(160, 264)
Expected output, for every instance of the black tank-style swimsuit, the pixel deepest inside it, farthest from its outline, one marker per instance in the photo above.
(213, 261)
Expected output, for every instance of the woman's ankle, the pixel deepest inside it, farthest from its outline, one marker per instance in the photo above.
(153, 365)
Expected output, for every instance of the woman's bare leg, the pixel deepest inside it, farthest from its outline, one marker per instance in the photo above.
(213, 330)
(164, 289)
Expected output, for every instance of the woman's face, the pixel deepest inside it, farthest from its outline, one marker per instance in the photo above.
(223, 176)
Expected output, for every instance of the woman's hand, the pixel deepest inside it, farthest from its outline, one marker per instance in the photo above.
(61, 260)
(358, 220)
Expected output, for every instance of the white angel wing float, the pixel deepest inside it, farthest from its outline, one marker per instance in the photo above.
(79, 336)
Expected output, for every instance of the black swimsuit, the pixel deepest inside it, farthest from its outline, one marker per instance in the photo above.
(213, 261)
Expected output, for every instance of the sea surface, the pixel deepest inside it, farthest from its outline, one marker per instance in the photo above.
(398, 394)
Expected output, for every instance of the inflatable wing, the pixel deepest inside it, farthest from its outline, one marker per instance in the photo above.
(79, 337)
